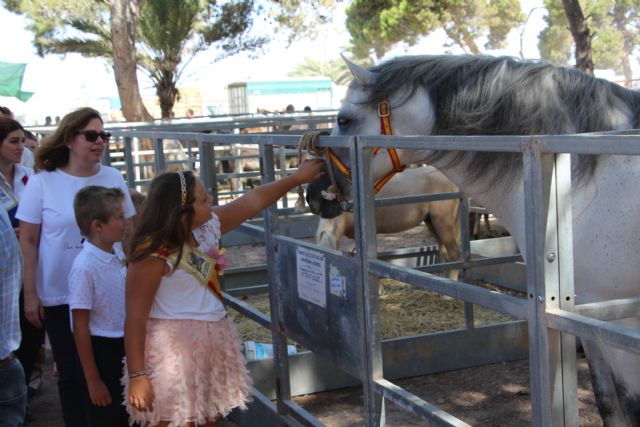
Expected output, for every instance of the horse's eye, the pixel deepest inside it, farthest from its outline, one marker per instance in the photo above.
(343, 121)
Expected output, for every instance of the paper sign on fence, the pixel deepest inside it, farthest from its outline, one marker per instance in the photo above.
(311, 276)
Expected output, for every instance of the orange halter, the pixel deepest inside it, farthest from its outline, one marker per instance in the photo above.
(384, 112)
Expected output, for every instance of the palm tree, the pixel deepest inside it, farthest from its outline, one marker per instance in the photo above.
(168, 36)
(172, 32)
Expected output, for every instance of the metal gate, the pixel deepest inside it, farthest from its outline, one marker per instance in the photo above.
(329, 303)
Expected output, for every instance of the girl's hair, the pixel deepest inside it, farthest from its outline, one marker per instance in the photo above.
(165, 221)
(95, 202)
(53, 152)
(8, 125)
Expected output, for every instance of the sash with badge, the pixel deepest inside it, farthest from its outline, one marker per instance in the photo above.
(204, 267)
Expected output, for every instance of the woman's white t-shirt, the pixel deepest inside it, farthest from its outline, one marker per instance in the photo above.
(48, 200)
(180, 295)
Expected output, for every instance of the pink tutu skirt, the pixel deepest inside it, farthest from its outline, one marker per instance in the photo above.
(196, 369)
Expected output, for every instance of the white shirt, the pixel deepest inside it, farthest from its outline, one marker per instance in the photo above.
(20, 177)
(180, 295)
(96, 283)
(13, 191)
(28, 159)
(48, 200)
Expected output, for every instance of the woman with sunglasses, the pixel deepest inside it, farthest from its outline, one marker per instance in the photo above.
(67, 160)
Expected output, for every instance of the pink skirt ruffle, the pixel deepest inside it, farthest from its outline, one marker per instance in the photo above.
(196, 369)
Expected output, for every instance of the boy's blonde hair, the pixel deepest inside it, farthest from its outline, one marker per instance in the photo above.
(95, 202)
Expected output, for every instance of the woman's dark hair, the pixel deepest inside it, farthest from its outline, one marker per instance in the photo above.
(53, 152)
(5, 111)
(8, 125)
(164, 222)
(29, 135)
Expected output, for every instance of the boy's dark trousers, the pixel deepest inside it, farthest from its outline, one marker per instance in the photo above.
(108, 354)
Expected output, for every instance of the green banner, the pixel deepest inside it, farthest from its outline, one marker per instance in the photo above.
(11, 81)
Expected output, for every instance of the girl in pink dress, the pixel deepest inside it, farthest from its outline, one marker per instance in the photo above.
(184, 365)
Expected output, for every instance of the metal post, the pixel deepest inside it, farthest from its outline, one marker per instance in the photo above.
(560, 293)
(465, 255)
(281, 357)
(547, 201)
(364, 213)
(128, 159)
(208, 169)
(158, 147)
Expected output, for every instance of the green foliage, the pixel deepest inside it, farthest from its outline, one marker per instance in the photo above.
(555, 41)
(229, 26)
(49, 20)
(301, 18)
(170, 33)
(614, 28)
(377, 25)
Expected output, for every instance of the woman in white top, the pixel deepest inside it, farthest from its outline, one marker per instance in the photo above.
(67, 160)
(13, 176)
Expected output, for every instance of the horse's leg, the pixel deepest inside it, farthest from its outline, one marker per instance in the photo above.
(487, 223)
(445, 223)
(473, 226)
(606, 389)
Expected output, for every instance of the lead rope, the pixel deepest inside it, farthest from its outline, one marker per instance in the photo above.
(308, 142)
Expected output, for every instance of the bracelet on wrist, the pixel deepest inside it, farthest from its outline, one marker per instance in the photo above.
(137, 374)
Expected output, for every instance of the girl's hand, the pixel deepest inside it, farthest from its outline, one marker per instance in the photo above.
(141, 393)
(98, 393)
(33, 310)
(309, 170)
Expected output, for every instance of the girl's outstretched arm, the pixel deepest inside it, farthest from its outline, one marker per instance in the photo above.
(143, 279)
(235, 213)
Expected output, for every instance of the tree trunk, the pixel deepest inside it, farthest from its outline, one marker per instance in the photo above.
(581, 35)
(464, 40)
(619, 19)
(124, 20)
(167, 94)
(626, 66)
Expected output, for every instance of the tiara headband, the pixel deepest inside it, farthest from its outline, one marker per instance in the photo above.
(183, 189)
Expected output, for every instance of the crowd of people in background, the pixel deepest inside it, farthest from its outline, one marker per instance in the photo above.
(66, 271)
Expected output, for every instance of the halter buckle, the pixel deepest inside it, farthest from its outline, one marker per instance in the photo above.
(384, 109)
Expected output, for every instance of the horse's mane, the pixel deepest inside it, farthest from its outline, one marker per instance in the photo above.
(482, 95)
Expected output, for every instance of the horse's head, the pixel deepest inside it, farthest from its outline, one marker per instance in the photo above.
(408, 111)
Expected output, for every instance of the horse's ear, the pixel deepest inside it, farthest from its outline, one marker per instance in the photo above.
(361, 74)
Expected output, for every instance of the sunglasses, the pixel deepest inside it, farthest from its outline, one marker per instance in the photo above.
(92, 135)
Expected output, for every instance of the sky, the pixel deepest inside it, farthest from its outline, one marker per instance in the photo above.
(62, 83)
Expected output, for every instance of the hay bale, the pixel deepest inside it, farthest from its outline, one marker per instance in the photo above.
(404, 311)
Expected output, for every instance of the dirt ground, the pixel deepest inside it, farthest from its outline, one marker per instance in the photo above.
(492, 395)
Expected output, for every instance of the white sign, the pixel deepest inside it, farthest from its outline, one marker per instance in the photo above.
(338, 286)
(311, 280)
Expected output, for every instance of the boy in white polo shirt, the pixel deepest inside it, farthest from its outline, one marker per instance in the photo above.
(96, 302)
